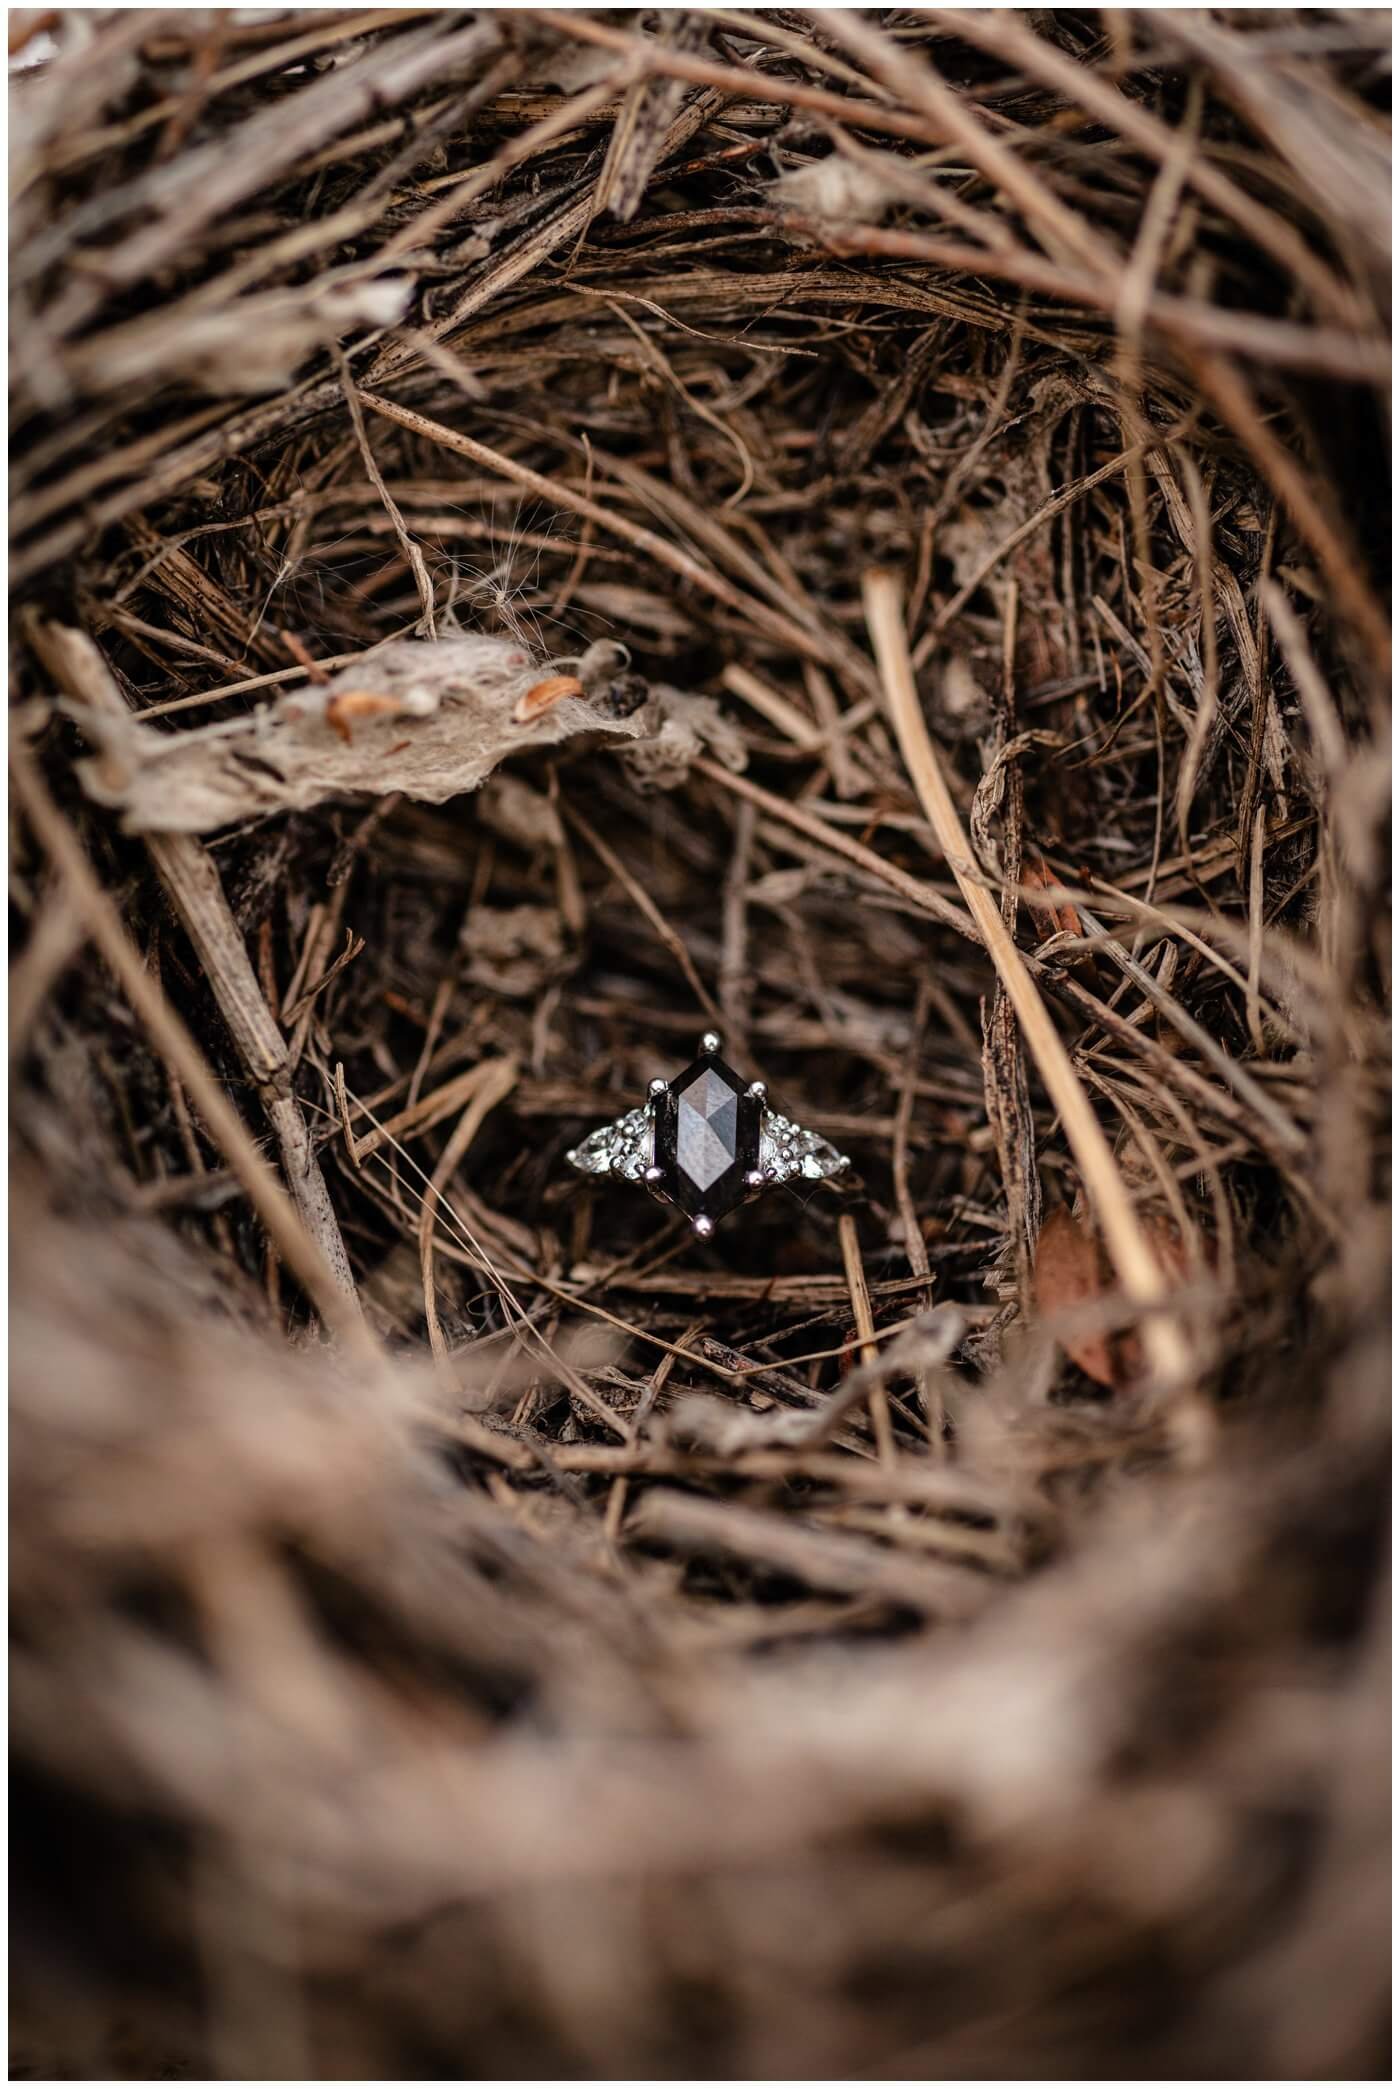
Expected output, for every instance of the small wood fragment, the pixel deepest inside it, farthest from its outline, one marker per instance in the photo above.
(349, 704)
(543, 696)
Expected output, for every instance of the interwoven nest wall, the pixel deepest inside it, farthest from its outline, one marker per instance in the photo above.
(464, 1624)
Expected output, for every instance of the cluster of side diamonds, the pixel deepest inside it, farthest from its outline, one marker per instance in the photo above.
(786, 1150)
(621, 1148)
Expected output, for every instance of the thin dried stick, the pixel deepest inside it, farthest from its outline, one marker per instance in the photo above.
(418, 1117)
(1001, 32)
(1194, 326)
(497, 1078)
(857, 1566)
(915, 1247)
(656, 1384)
(1048, 510)
(411, 550)
(56, 936)
(912, 889)
(1330, 540)
(1328, 738)
(562, 496)
(191, 878)
(877, 1399)
(303, 1255)
(1138, 1270)
(803, 732)
(909, 76)
(646, 906)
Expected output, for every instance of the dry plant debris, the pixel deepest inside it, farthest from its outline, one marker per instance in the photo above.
(535, 534)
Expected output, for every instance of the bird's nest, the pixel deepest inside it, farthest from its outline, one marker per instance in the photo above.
(464, 1624)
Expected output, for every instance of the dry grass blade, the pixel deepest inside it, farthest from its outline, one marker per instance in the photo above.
(1139, 1272)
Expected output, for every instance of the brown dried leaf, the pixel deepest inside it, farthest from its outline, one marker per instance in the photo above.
(1072, 1270)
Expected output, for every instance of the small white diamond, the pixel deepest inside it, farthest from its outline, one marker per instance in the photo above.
(786, 1149)
(623, 1148)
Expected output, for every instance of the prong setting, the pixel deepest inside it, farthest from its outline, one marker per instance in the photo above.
(703, 1225)
(657, 1087)
(711, 1043)
(759, 1091)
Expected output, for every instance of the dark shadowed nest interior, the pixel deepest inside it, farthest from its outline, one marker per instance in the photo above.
(463, 1623)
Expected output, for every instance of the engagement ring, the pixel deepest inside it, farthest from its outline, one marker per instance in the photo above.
(706, 1142)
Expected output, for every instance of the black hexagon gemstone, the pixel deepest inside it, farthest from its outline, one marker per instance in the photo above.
(707, 1128)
